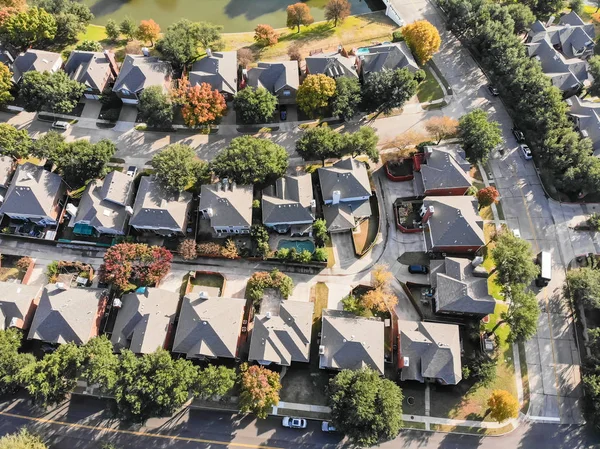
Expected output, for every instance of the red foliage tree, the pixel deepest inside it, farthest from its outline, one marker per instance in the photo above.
(135, 263)
(487, 196)
(200, 104)
(265, 35)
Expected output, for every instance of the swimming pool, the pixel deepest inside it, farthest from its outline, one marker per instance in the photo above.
(300, 245)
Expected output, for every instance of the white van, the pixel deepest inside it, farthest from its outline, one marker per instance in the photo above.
(61, 125)
(544, 260)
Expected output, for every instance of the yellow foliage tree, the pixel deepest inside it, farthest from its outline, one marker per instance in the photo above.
(503, 405)
(230, 250)
(148, 31)
(442, 127)
(423, 39)
(381, 298)
(314, 93)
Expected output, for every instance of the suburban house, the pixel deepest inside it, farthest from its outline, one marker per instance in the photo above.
(17, 304)
(451, 224)
(68, 315)
(158, 210)
(7, 168)
(441, 171)
(288, 205)
(219, 69)
(97, 70)
(351, 342)
(209, 327)
(562, 50)
(459, 289)
(586, 115)
(139, 72)
(38, 60)
(227, 206)
(35, 195)
(282, 332)
(389, 56)
(105, 205)
(145, 320)
(346, 190)
(333, 65)
(429, 352)
(279, 78)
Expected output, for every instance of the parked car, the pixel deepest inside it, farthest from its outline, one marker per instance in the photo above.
(418, 269)
(293, 423)
(526, 152)
(283, 112)
(493, 90)
(518, 135)
(326, 426)
(61, 125)
(132, 171)
(517, 233)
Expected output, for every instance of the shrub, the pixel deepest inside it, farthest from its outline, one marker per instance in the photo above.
(397, 36)
(421, 147)
(594, 222)
(320, 232)
(209, 249)
(52, 272)
(304, 257)
(230, 250)
(261, 280)
(187, 249)
(320, 255)
(283, 253)
(23, 263)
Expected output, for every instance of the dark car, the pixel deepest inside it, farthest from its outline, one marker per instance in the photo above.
(418, 269)
(518, 135)
(493, 90)
(283, 112)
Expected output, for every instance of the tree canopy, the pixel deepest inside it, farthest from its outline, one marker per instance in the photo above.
(183, 41)
(514, 260)
(81, 161)
(265, 35)
(200, 104)
(88, 45)
(522, 314)
(298, 14)
(14, 142)
(503, 405)
(99, 363)
(72, 18)
(22, 440)
(259, 390)
(28, 28)
(315, 93)
(54, 92)
(148, 31)
(347, 98)
(319, 143)
(254, 105)
(337, 10)
(583, 287)
(215, 381)
(594, 69)
(364, 141)
(423, 39)
(388, 89)
(178, 168)
(479, 135)
(156, 108)
(11, 361)
(364, 406)
(251, 160)
(5, 84)
(441, 127)
(487, 196)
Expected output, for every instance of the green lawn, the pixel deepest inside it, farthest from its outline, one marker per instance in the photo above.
(330, 254)
(93, 33)
(429, 89)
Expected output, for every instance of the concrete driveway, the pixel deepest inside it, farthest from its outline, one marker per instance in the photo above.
(128, 113)
(343, 247)
(91, 109)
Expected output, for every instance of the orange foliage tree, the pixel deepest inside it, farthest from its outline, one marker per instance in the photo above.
(200, 104)
(148, 30)
(259, 390)
(442, 127)
(265, 35)
(298, 14)
(487, 196)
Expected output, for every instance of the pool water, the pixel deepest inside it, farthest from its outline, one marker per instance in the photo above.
(300, 245)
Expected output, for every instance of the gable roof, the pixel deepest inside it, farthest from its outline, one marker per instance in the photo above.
(209, 327)
(333, 65)
(228, 203)
(457, 289)
(348, 176)
(64, 316)
(588, 117)
(156, 207)
(572, 36)
(433, 351)
(219, 70)
(288, 200)
(391, 56)
(344, 216)
(33, 191)
(564, 73)
(143, 321)
(283, 338)
(274, 76)
(38, 60)
(455, 221)
(441, 171)
(351, 342)
(90, 68)
(15, 301)
(139, 72)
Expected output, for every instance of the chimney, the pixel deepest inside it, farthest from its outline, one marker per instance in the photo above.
(145, 51)
(129, 210)
(208, 52)
(428, 212)
(313, 206)
(550, 21)
(232, 186)
(336, 197)
(340, 48)
(477, 261)
(268, 314)
(427, 152)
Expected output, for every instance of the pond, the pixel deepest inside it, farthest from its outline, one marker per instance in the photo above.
(300, 245)
(235, 15)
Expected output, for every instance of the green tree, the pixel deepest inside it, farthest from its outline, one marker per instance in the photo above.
(320, 232)
(209, 36)
(594, 70)
(215, 381)
(128, 28)
(178, 168)
(28, 28)
(522, 314)
(503, 405)
(89, 46)
(156, 108)
(364, 406)
(543, 9)
(11, 361)
(319, 143)
(112, 30)
(14, 142)
(315, 93)
(5, 85)
(81, 161)
(583, 287)
(254, 105)
(347, 98)
(514, 260)
(364, 141)
(479, 135)
(259, 390)
(47, 145)
(72, 18)
(251, 160)
(54, 92)
(521, 15)
(99, 363)
(576, 6)
(183, 41)
(50, 379)
(22, 440)
(383, 91)
(260, 235)
(591, 387)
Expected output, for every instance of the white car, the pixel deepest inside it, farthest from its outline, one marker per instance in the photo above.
(526, 152)
(326, 426)
(517, 233)
(293, 423)
(61, 125)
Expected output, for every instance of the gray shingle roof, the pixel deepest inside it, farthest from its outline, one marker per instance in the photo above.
(156, 207)
(348, 176)
(433, 351)
(15, 301)
(219, 70)
(442, 171)
(455, 221)
(457, 290)
(274, 76)
(139, 72)
(209, 327)
(351, 342)
(38, 60)
(90, 68)
(33, 191)
(143, 321)
(230, 205)
(65, 316)
(344, 216)
(388, 57)
(283, 338)
(565, 73)
(289, 200)
(588, 117)
(333, 65)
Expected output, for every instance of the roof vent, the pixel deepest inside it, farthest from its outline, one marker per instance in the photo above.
(268, 314)
(29, 175)
(61, 286)
(117, 303)
(106, 213)
(203, 295)
(129, 210)
(406, 361)
(145, 51)
(321, 350)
